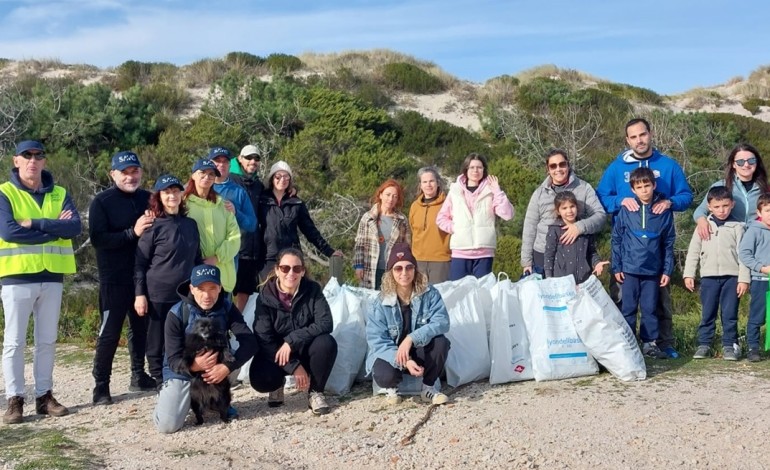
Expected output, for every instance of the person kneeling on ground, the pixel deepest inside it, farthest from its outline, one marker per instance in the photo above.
(202, 297)
(405, 329)
(292, 323)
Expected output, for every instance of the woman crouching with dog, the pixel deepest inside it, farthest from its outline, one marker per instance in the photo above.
(292, 323)
(202, 297)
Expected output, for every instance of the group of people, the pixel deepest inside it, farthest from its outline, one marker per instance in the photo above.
(200, 249)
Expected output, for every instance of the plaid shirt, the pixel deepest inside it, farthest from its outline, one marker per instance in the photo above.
(367, 249)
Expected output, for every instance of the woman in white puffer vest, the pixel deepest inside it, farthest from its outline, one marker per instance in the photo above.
(469, 212)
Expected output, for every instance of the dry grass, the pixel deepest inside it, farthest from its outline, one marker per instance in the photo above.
(552, 71)
(203, 72)
(500, 90)
(698, 98)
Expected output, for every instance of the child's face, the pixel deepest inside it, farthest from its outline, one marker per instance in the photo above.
(764, 214)
(721, 208)
(643, 191)
(568, 212)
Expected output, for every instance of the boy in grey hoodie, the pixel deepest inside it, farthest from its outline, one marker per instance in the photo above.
(754, 252)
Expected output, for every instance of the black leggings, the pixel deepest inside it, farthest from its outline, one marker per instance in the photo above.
(115, 303)
(156, 321)
(317, 358)
(432, 357)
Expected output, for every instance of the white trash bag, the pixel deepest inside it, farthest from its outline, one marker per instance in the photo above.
(508, 340)
(350, 333)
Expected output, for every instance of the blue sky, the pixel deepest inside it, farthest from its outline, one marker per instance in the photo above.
(668, 46)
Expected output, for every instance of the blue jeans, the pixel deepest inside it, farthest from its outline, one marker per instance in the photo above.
(758, 291)
(461, 267)
(716, 292)
(642, 292)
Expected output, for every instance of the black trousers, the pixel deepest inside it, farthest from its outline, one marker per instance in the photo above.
(317, 358)
(115, 303)
(156, 321)
(431, 357)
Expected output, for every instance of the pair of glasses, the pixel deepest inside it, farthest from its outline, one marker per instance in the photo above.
(554, 166)
(281, 177)
(750, 161)
(285, 268)
(398, 268)
(252, 157)
(37, 155)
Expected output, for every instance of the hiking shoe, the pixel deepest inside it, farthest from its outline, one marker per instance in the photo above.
(652, 350)
(729, 354)
(101, 394)
(671, 352)
(47, 405)
(432, 396)
(753, 355)
(391, 396)
(701, 353)
(275, 398)
(15, 412)
(141, 382)
(317, 402)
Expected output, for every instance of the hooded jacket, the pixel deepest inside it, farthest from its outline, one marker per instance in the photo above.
(251, 242)
(224, 313)
(717, 256)
(754, 250)
(308, 318)
(244, 210)
(540, 214)
(429, 242)
(578, 258)
(745, 208)
(670, 181)
(643, 242)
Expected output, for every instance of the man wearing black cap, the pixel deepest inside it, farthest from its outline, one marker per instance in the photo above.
(37, 221)
(116, 221)
(202, 297)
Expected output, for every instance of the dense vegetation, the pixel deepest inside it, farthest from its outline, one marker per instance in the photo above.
(341, 135)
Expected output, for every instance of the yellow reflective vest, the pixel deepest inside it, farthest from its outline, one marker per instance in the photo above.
(56, 256)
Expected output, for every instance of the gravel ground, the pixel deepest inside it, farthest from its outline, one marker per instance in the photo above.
(704, 414)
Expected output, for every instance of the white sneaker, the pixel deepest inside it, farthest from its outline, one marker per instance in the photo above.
(430, 395)
(391, 396)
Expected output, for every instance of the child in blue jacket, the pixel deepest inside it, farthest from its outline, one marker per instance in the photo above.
(643, 258)
(754, 252)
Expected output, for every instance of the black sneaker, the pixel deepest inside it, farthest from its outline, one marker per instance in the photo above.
(753, 355)
(141, 382)
(652, 350)
(101, 394)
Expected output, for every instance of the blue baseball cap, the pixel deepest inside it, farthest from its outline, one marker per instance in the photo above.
(204, 273)
(204, 164)
(166, 181)
(28, 145)
(219, 152)
(125, 159)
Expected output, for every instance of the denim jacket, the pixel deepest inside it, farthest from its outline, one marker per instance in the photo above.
(383, 327)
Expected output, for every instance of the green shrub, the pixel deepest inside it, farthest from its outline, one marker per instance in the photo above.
(133, 72)
(282, 63)
(410, 78)
(541, 92)
(752, 105)
(632, 93)
(243, 59)
(372, 94)
(4, 62)
(168, 97)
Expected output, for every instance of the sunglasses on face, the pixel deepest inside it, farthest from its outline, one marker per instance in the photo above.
(285, 268)
(554, 166)
(35, 155)
(398, 268)
(252, 157)
(750, 161)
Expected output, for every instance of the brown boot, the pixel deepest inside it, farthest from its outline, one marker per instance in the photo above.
(47, 405)
(15, 412)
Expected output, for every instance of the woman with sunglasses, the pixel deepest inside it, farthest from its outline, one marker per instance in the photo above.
(219, 233)
(379, 229)
(292, 323)
(540, 215)
(165, 255)
(405, 329)
(282, 215)
(469, 213)
(746, 178)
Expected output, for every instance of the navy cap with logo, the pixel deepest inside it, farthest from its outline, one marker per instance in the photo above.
(219, 152)
(204, 273)
(28, 145)
(125, 159)
(204, 164)
(166, 181)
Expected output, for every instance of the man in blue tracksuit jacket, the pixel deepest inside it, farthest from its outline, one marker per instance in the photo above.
(614, 192)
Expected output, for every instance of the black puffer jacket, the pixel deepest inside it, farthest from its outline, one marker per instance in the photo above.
(309, 317)
(251, 242)
(578, 258)
(280, 226)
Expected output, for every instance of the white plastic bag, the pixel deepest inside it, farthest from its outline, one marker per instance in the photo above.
(605, 332)
(508, 340)
(350, 334)
(557, 351)
(248, 317)
(365, 298)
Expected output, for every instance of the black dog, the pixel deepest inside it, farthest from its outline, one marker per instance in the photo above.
(204, 337)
